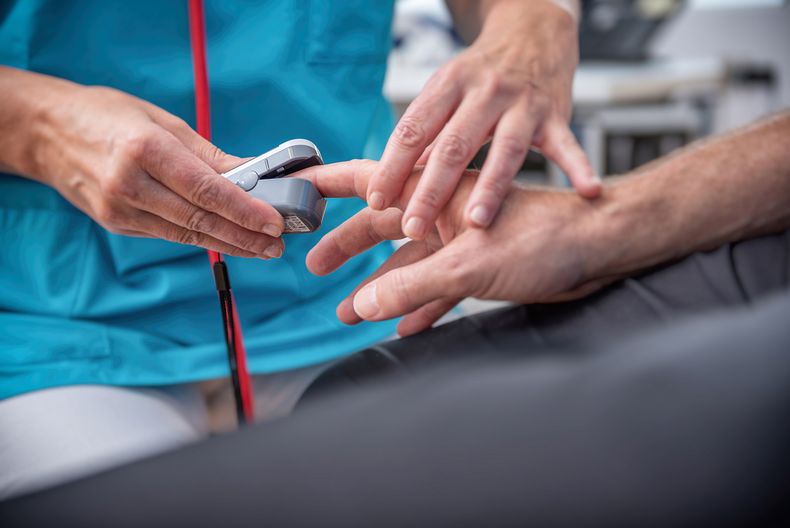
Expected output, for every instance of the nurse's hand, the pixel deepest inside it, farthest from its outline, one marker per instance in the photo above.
(138, 170)
(513, 83)
(535, 251)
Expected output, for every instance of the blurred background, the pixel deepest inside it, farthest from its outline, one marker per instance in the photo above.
(654, 75)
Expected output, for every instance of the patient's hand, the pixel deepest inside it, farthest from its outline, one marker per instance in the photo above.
(533, 252)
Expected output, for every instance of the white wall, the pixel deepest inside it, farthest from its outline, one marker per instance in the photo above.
(757, 33)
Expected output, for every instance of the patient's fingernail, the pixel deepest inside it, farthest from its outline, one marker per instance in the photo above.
(365, 303)
(376, 201)
(273, 251)
(480, 215)
(272, 230)
(414, 228)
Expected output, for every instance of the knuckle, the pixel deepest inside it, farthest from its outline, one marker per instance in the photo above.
(177, 123)
(435, 311)
(512, 147)
(337, 246)
(453, 149)
(110, 218)
(451, 72)
(492, 86)
(117, 186)
(212, 152)
(457, 270)
(138, 145)
(201, 220)
(538, 105)
(496, 186)
(254, 220)
(402, 287)
(430, 198)
(187, 237)
(115, 230)
(255, 245)
(373, 232)
(236, 252)
(409, 132)
(207, 194)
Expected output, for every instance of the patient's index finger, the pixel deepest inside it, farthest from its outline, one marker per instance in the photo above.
(340, 180)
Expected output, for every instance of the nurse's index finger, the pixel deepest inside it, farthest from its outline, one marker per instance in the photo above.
(172, 164)
(417, 129)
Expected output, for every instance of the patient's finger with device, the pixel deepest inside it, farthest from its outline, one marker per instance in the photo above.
(296, 199)
(344, 179)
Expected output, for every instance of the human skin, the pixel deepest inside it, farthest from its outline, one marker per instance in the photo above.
(131, 166)
(550, 245)
(138, 170)
(513, 83)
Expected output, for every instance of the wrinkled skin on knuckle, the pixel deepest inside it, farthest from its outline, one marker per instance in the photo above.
(251, 244)
(428, 198)
(200, 220)
(187, 237)
(457, 270)
(173, 122)
(498, 87)
(138, 144)
(453, 149)
(110, 216)
(496, 187)
(454, 71)
(207, 195)
(400, 292)
(512, 147)
(409, 132)
(211, 152)
(117, 186)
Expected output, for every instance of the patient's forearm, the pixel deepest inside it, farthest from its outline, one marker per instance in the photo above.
(714, 191)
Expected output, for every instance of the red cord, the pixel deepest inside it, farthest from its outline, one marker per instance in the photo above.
(197, 31)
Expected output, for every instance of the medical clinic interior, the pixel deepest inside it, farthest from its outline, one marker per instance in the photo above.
(394, 263)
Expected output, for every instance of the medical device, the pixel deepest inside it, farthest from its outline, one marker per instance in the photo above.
(297, 200)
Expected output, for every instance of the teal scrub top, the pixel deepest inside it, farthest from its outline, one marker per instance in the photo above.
(81, 305)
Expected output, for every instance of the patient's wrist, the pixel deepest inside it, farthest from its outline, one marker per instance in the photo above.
(632, 227)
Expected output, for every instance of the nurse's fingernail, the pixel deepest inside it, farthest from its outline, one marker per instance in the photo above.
(414, 228)
(273, 251)
(365, 302)
(481, 215)
(376, 201)
(272, 230)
